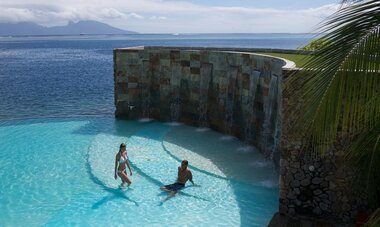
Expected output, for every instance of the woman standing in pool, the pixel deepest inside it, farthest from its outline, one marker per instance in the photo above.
(121, 161)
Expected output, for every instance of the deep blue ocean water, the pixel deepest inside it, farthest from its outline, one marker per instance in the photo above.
(66, 76)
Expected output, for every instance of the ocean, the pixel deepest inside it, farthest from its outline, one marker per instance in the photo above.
(72, 76)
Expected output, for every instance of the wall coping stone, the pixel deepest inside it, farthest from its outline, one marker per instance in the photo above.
(287, 63)
(261, 50)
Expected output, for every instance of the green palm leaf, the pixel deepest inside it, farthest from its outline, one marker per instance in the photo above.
(364, 154)
(339, 93)
(374, 220)
(342, 78)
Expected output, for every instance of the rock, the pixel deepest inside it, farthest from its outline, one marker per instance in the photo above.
(324, 184)
(305, 182)
(283, 209)
(295, 184)
(328, 202)
(346, 207)
(336, 208)
(323, 206)
(305, 223)
(291, 211)
(329, 167)
(323, 196)
(288, 179)
(299, 176)
(312, 187)
(283, 163)
(316, 180)
(353, 214)
(291, 196)
(346, 218)
(317, 211)
(317, 192)
(330, 194)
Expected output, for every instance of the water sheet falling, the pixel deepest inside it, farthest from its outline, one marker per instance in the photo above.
(267, 136)
(145, 89)
(175, 101)
(206, 71)
(231, 86)
(253, 82)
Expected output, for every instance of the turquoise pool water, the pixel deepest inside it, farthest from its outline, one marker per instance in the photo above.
(59, 172)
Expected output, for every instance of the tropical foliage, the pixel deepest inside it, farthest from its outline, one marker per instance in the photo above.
(315, 45)
(340, 94)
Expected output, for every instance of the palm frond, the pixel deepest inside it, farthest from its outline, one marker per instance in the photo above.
(350, 1)
(341, 78)
(364, 154)
(374, 220)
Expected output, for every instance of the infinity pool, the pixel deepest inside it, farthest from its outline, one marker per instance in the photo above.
(60, 172)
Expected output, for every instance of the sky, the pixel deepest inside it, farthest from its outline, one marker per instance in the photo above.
(172, 16)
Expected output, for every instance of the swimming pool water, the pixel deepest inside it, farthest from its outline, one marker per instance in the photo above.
(59, 172)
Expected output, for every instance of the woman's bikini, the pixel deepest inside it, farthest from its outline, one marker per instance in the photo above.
(122, 160)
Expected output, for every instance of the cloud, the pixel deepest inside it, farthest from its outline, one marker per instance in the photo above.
(158, 18)
(184, 17)
(111, 13)
(15, 15)
(135, 15)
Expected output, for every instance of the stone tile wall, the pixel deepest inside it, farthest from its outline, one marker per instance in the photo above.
(233, 92)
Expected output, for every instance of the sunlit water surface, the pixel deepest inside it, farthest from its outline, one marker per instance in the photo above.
(60, 172)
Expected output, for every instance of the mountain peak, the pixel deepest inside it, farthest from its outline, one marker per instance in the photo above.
(88, 27)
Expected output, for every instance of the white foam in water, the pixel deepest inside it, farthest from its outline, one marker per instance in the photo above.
(268, 184)
(259, 163)
(145, 119)
(246, 149)
(202, 129)
(227, 137)
(174, 123)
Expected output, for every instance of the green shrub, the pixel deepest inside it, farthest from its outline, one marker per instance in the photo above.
(315, 45)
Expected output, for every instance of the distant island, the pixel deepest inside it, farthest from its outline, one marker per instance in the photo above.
(79, 28)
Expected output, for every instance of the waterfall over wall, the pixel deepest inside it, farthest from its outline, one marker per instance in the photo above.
(237, 93)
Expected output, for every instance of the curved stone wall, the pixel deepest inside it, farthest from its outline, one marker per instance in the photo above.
(234, 92)
(239, 93)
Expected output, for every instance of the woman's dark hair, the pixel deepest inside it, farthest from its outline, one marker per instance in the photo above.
(121, 146)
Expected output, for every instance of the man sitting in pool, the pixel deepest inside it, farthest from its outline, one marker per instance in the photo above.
(183, 175)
